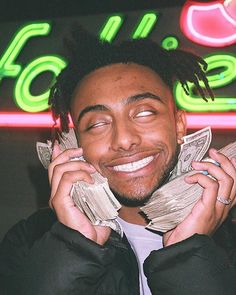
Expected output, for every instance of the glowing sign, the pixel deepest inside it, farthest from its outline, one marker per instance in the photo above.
(170, 42)
(44, 120)
(226, 65)
(7, 66)
(221, 72)
(111, 28)
(209, 24)
(145, 26)
(24, 99)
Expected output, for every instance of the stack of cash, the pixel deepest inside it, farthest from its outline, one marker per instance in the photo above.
(95, 200)
(170, 204)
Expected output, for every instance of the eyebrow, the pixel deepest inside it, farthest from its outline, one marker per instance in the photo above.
(129, 100)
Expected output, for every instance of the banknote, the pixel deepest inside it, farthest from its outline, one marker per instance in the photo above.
(194, 148)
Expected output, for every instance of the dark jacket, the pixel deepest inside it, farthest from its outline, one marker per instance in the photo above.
(40, 256)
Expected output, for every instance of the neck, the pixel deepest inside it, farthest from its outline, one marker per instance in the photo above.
(132, 215)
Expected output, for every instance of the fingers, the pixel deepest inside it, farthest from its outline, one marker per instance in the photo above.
(221, 184)
(208, 213)
(63, 172)
(59, 158)
(229, 167)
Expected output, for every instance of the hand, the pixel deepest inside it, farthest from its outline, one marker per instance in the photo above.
(208, 213)
(63, 173)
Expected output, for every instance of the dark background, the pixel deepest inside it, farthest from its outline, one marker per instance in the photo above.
(23, 182)
(26, 9)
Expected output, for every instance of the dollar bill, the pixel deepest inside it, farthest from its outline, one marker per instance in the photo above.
(194, 148)
(44, 151)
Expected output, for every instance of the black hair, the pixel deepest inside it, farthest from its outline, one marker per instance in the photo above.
(87, 53)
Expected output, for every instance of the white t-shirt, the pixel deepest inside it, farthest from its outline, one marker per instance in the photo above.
(142, 242)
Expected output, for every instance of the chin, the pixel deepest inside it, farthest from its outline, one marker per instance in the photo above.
(140, 194)
(134, 198)
(132, 201)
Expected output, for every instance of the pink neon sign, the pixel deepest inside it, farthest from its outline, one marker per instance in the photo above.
(211, 24)
(44, 120)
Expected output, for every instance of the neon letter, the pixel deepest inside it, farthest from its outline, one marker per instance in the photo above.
(111, 28)
(194, 103)
(23, 97)
(7, 66)
(145, 26)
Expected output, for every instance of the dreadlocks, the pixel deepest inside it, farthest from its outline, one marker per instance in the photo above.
(86, 54)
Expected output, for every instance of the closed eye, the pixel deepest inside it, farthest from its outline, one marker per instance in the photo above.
(145, 113)
(97, 126)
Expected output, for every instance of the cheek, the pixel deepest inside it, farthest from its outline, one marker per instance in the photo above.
(94, 151)
(164, 131)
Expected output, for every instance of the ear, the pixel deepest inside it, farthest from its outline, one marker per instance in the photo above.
(181, 125)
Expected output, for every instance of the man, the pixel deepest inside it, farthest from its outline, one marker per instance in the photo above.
(128, 129)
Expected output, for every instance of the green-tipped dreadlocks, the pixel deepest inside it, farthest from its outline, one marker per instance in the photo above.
(87, 53)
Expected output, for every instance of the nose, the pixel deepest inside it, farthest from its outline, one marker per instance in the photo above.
(125, 136)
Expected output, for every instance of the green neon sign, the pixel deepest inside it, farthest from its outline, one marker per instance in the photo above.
(145, 26)
(221, 69)
(24, 99)
(111, 28)
(170, 42)
(225, 64)
(7, 66)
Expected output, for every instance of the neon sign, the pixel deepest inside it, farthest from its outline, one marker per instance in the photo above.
(223, 63)
(24, 99)
(44, 120)
(145, 26)
(111, 28)
(210, 24)
(226, 64)
(8, 68)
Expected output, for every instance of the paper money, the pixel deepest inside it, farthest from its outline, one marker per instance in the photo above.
(170, 204)
(193, 149)
(95, 200)
(44, 151)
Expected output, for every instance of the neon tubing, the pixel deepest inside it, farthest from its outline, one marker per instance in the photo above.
(191, 28)
(44, 120)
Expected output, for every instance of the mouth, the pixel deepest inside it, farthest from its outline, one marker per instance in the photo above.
(134, 166)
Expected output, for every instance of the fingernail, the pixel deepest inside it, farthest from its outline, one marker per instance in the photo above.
(195, 163)
(214, 151)
(92, 168)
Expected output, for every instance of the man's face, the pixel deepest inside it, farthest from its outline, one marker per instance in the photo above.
(128, 128)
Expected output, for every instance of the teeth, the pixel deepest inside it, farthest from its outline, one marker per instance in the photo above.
(130, 167)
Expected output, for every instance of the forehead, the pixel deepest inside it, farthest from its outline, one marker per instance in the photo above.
(116, 82)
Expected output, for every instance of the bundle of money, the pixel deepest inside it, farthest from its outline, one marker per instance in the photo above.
(170, 204)
(95, 200)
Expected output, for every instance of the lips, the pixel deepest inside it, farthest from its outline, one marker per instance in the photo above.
(134, 166)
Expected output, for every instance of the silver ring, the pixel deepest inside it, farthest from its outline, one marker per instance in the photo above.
(223, 200)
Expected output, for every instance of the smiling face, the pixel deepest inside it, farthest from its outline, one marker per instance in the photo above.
(128, 128)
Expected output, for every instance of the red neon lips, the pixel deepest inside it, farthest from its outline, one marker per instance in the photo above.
(211, 24)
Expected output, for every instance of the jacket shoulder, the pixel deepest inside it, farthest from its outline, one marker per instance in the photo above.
(30, 229)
